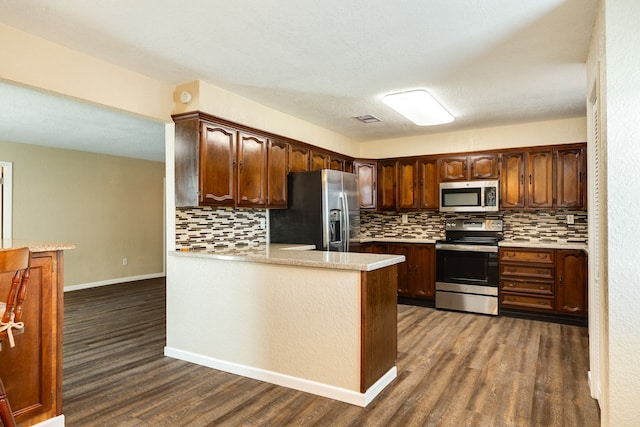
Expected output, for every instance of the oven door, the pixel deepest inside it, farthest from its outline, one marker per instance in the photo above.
(467, 278)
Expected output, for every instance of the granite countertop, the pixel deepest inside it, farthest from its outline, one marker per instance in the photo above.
(397, 240)
(35, 245)
(296, 255)
(543, 244)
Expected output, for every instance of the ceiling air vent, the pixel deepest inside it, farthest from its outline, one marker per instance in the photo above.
(368, 118)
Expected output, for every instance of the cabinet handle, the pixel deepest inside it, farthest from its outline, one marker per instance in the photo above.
(541, 256)
(510, 254)
(571, 309)
(580, 176)
(542, 302)
(241, 166)
(542, 288)
(530, 180)
(511, 285)
(560, 280)
(522, 179)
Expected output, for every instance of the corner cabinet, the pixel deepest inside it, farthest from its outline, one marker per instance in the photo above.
(220, 164)
(32, 370)
(416, 276)
(544, 179)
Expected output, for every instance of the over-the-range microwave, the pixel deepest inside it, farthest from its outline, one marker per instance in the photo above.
(469, 196)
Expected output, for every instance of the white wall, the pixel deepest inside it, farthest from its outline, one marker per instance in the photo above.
(622, 114)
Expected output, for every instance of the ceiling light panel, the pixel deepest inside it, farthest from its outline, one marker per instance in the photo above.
(419, 107)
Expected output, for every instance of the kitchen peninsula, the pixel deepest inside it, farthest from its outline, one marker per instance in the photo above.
(319, 322)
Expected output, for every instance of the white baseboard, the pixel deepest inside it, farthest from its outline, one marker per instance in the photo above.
(52, 422)
(113, 281)
(296, 383)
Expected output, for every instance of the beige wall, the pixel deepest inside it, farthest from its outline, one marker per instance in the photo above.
(227, 105)
(35, 62)
(522, 135)
(110, 207)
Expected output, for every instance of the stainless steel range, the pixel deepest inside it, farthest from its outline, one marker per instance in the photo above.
(467, 266)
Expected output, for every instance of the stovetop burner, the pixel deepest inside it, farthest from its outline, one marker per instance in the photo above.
(473, 232)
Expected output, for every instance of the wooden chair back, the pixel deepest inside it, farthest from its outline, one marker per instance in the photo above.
(16, 261)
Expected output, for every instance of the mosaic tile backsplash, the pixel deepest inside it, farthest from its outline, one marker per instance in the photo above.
(539, 226)
(208, 228)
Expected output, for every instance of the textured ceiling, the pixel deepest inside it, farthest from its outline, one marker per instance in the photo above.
(489, 62)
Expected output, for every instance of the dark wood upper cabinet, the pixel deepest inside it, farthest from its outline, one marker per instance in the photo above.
(387, 185)
(463, 168)
(428, 183)
(336, 163)
(407, 184)
(483, 166)
(217, 165)
(319, 160)
(366, 172)
(570, 178)
(252, 170)
(512, 181)
(299, 158)
(540, 185)
(453, 168)
(277, 168)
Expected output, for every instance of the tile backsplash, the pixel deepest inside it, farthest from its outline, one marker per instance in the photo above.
(525, 226)
(208, 228)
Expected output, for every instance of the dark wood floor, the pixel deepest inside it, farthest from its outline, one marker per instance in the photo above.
(454, 369)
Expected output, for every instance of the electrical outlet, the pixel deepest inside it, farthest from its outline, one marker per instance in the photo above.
(405, 218)
(571, 219)
(125, 261)
(263, 223)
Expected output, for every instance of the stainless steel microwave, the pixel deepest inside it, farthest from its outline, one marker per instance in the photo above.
(470, 196)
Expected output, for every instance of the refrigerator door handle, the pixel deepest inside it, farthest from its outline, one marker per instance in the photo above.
(345, 221)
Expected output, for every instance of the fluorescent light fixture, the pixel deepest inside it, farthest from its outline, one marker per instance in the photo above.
(419, 107)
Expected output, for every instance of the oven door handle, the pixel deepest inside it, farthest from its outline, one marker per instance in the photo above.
(466, 248)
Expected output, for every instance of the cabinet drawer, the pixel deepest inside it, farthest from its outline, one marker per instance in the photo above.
(539, 303)
(539, 288)
(520, 255)
(527, 271)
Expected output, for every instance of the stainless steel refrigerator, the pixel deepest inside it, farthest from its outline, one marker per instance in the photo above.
(322, 210)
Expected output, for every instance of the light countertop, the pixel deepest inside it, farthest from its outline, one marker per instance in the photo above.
(35, 245)
(543, 244)
(297, 255)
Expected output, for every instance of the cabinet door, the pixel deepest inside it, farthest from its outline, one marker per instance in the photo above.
(28, 370)
(366, 172)
(453, 168)
(387, 185)
(299, 158)
(252, 170)
(277, 166)
(540, 186)
(405, 270)
(571, 282)
(424, 279)
(336, 163)
(348, 166)
(319, 161)
(570, 179)
(407, 184)
(429, 194)
(483, 166)
(512, 182)
(217, 165)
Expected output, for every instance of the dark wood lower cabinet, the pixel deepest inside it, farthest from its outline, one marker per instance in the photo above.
(548, 284)
(32, 370)
(416, 276)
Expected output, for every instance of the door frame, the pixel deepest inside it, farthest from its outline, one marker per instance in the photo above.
(7, 197)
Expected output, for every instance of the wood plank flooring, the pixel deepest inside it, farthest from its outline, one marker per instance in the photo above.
(454, 369)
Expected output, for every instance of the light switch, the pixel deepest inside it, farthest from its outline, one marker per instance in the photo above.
(570, 219)
(405, 218)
